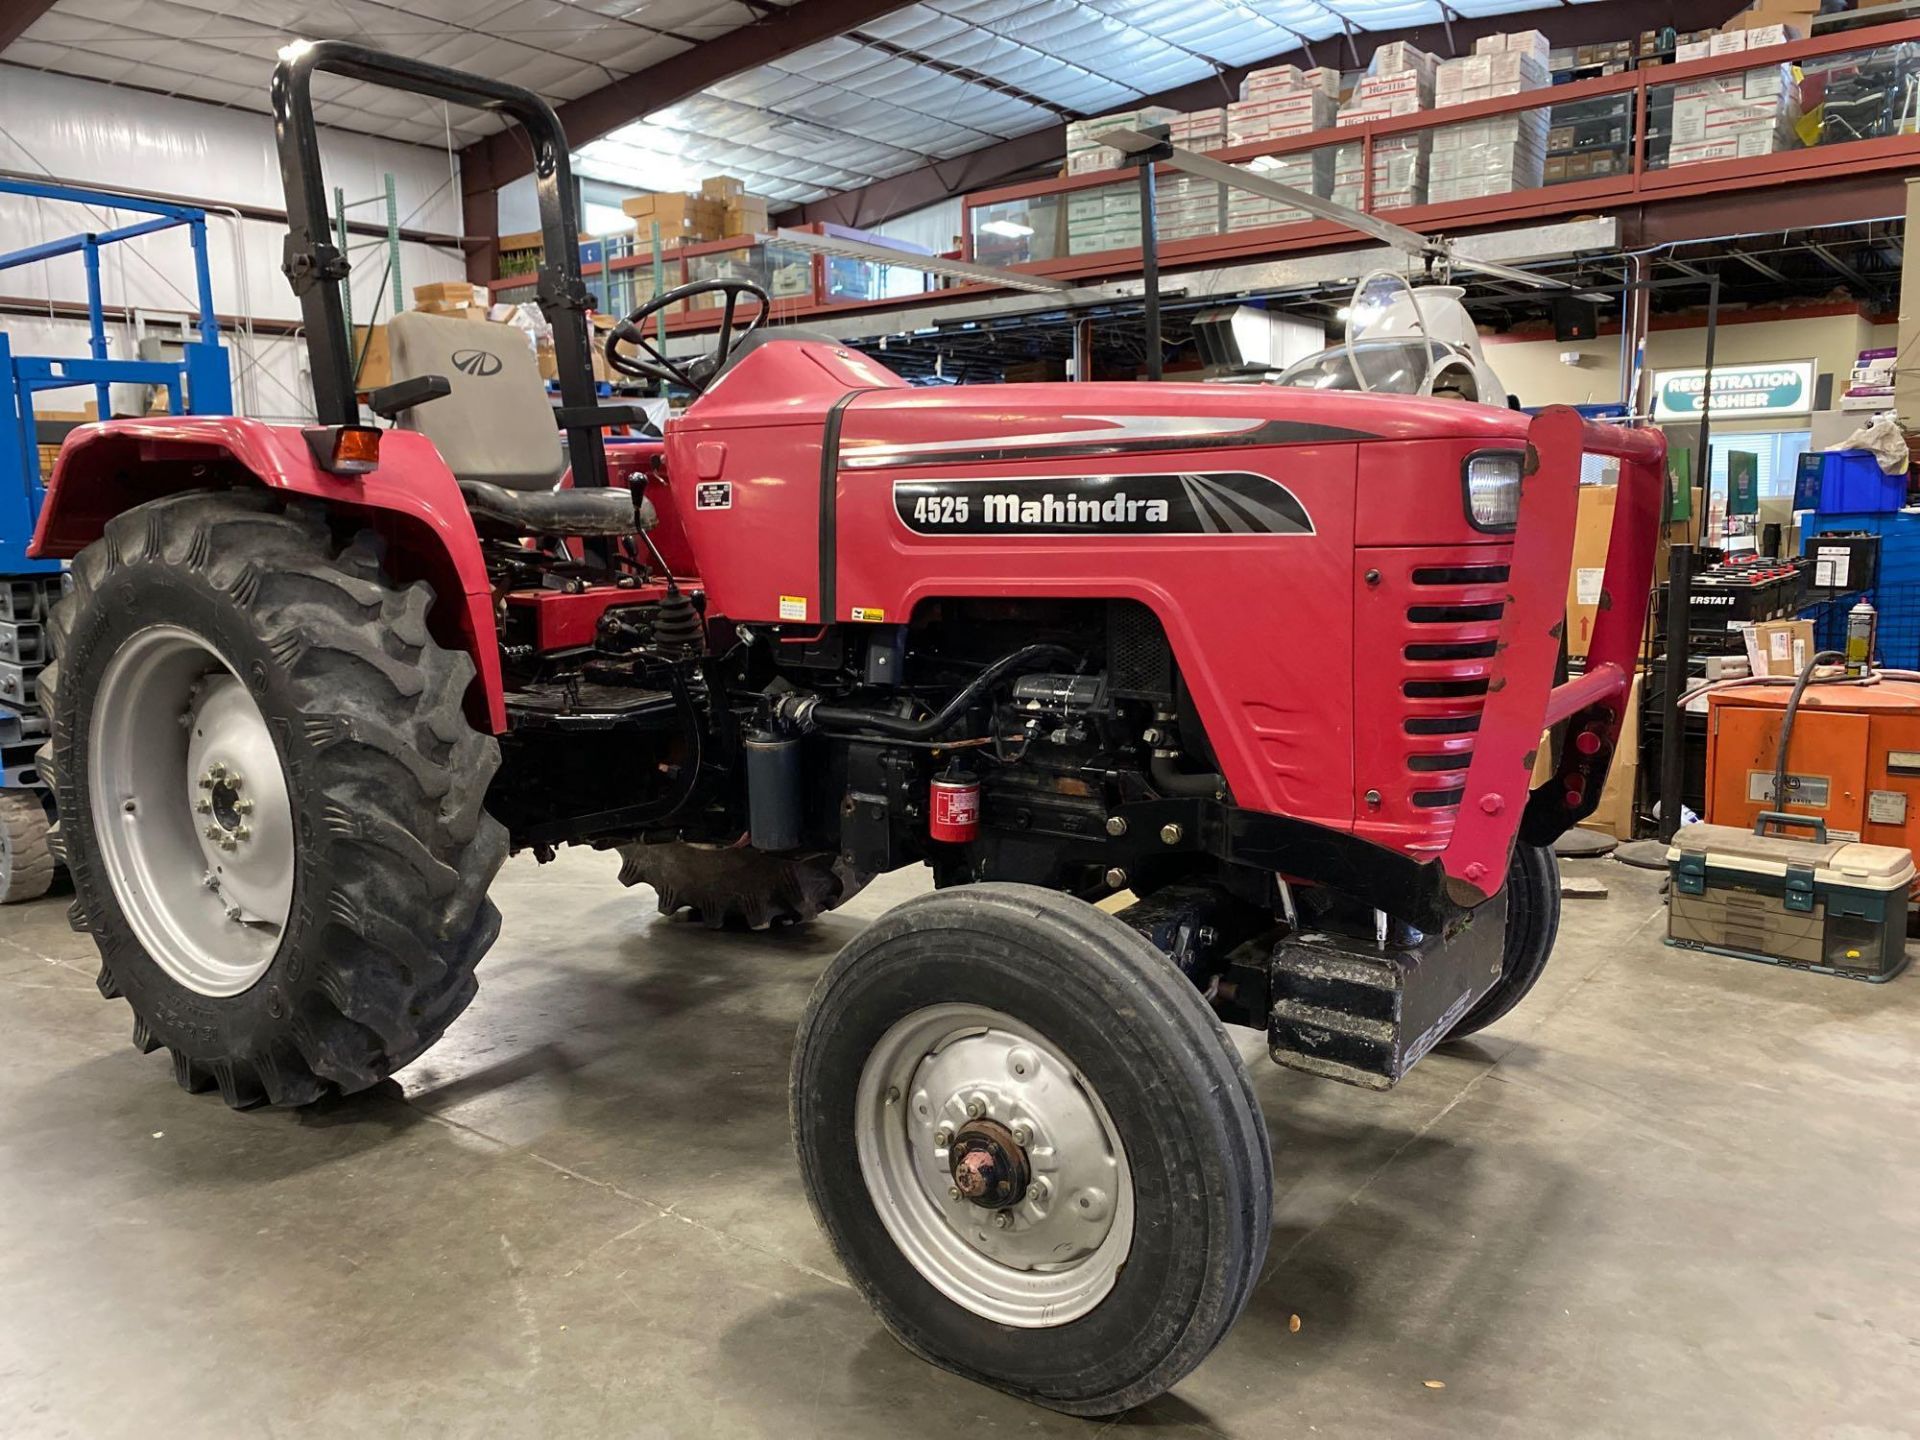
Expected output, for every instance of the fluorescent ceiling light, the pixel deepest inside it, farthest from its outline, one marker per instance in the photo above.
(1010, 229)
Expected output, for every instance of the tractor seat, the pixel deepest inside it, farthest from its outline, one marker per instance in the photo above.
(496, 430)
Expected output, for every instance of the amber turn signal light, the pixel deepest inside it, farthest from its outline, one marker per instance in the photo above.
(344, 449)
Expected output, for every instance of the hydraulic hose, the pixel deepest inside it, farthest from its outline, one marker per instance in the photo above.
(1786, 723)
(846, 717)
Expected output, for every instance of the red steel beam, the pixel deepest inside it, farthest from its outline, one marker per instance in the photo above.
(995, 164)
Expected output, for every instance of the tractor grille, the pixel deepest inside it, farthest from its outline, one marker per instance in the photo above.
(1139, 664)
(1437, 614)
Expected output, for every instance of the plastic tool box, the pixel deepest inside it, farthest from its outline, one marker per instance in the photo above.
(1833, 906)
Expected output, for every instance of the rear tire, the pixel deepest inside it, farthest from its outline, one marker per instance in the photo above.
(1065, 1026)
(1533, 920)
(349, 910)
(26, 861)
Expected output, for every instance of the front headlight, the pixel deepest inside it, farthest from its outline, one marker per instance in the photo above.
(1493, 489)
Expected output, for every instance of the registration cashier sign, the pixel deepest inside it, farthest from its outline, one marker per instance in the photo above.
(1782, 387)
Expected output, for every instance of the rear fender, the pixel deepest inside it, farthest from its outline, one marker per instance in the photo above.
(411, 501)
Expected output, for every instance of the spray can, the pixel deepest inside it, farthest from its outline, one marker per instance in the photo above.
(954, 812)
(1862, 623)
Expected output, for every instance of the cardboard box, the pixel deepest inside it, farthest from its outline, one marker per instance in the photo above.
(456, 312)
(1777, 648)
(448, 292)
(1592, 534)
(377, 369)
(723, 188)
(1614, 814)
(747, 216)
(680, 217)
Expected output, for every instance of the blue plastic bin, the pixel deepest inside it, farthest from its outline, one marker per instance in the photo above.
(1852, 483)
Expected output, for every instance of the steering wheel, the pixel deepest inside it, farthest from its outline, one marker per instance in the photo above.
(695, 374)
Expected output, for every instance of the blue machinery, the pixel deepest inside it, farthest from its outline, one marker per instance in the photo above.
(199, 383)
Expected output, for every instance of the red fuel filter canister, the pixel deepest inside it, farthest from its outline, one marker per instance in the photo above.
(954, 814)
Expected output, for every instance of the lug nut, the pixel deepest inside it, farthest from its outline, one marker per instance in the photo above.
(1117, 878)
(942, 1138)
(1039, 1190)
(1022, 1135)
(953, 1192)
(203, 807)
(1003, 1219)
(976, 1107)
(1171, 834)
(1116, 825)
(243, 807)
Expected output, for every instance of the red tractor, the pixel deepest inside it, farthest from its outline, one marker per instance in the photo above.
(1275, 662)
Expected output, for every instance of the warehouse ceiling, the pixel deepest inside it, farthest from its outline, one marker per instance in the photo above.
(911, 85)
(223, 51)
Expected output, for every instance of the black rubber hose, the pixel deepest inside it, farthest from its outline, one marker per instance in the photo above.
(842, 717)
(1786, 723)
(1169, 781)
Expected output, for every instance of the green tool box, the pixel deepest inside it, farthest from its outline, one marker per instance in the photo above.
(1834, 906)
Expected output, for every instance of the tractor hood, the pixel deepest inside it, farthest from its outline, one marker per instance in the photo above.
(1059, 421)
(803, 382)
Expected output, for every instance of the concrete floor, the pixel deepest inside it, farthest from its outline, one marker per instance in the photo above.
(1671, 1195)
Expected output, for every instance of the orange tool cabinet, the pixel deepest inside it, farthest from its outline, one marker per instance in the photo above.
(1855, 762)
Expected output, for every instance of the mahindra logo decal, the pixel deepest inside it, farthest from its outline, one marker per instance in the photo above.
(1222, 503)
(476, 362)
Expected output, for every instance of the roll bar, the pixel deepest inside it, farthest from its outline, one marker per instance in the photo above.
(316, 268)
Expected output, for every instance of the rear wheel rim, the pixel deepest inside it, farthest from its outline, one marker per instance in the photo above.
(1049, 1252)
(191, 811)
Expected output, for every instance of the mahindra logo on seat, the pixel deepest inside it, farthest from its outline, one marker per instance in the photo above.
(476, 362)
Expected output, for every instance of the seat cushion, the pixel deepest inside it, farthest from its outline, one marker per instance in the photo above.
(496, 427)
(602, 510)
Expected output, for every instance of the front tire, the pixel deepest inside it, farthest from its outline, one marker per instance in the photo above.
(269, 797)
(1533, 922)
(1002, 1035)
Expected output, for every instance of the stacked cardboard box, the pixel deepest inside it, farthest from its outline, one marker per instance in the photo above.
(741, 213)
(1503, 152)
(1280, 102)
(1399, 81)
(1186, 207)
(456, 298)
(1725, 117)
(1106, 217)
(1200, 130)
(681, 218)
(1086, 153)
(1514, 42)
(1278, 82)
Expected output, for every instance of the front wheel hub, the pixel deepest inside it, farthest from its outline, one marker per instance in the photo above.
(988, 1167)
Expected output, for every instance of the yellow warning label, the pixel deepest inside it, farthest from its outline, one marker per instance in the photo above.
(869, 614)
(793, 607)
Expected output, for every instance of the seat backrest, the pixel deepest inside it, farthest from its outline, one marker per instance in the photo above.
(496, 426)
